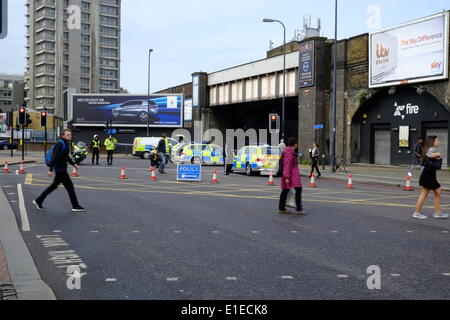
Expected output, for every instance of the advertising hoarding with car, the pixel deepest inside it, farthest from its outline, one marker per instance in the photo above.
(127, 110)
(410, 53)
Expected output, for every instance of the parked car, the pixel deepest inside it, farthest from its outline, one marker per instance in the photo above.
(205, 154)
(136, 109)
(257, 159)
(5, 145)
(143, 146)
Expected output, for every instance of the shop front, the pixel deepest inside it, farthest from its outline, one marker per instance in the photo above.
(386, 127)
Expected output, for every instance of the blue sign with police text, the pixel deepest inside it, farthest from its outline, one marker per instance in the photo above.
(188, 172)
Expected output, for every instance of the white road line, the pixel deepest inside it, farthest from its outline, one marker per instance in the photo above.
(446, 274)
(14, 201)
(172, 279)
(294, 231)
(231, 279)
(342, 276)
(410, 231)
(446, 232)
(255, 232)
(57, 231)
(334, 231)
(395, 275)
(373, 231)
(94, 231)
(23, 210)
(110, 280)
(287, 277)
(177, 232)
(8, 187)
(11, 194)
(135, 231)
(215, 232)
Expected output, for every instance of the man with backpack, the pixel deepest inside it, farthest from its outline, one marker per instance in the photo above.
(56, 160)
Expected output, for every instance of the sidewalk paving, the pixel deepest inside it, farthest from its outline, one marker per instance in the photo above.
(380, 175)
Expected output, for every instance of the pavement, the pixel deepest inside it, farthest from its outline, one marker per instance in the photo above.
(179, 241)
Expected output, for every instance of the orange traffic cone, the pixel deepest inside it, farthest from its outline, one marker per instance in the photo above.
(5, 168)
(350, 181)
(214, 179)
(74, 173)
(123, 175)
(313, 184)
(154, 178)
(21, 169)
(271, 183)
(408, 184)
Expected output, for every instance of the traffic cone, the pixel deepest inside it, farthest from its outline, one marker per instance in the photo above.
(21, 169)
(5, 168)
(214, 179)
(123, 175)
(350, 181)
(271, 183)
(313, 184)
(408, 184)
(154, 178)
(74, 173)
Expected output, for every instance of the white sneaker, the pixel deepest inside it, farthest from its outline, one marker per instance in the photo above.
(420, 216)
(440, 215)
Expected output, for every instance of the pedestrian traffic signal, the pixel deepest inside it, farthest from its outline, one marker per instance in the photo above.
(22, 116)
(43, 119)
(3, 18)
(28, 119)
(9, 119)
(274, 123)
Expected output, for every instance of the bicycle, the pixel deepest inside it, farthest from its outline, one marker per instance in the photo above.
(341, 165)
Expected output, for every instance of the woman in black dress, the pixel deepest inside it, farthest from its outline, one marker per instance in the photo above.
(428, 180)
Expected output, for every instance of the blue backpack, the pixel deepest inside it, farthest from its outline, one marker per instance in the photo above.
(49, 155)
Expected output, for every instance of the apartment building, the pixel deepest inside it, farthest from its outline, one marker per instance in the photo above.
(11, 92)
(63, 52)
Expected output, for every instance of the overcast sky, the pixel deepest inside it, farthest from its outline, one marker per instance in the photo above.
(210, 35)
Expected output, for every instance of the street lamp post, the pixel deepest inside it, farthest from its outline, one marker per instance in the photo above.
(283, 116)
(148, 101)
(333, 140)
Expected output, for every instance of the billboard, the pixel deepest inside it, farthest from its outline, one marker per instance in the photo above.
(127, 110)
(410, 53)
(306, 66)
(5, 131)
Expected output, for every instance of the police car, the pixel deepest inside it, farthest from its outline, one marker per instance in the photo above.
(143, 146)
(205, 154)
(257, 159)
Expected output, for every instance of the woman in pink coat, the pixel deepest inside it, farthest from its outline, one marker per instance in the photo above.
(291, 177)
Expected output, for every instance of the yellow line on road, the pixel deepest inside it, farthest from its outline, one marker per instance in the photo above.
(29, 179)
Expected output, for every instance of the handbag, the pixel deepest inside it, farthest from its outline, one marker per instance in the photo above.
(290, 202)
(433, 164)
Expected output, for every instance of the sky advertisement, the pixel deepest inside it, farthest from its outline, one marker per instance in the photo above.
(411, 53)
(127, 110)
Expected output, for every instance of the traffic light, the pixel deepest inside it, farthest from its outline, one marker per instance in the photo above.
(9, 119)
(3, 18)
(28, 119)
(43, 118)
(274, 123)
(22, 116)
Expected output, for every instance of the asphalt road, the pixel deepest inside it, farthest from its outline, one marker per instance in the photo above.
(168, 240)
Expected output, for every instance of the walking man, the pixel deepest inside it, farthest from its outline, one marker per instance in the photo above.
(95, 145)
(417, 156)
(110, 145)
(229, 157)
(58, 163)
(162, 148)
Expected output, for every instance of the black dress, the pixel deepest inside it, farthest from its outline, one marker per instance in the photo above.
(428, 179)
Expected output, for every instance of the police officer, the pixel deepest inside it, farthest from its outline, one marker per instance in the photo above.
(95, 145)
(162, 149)
(110, 145)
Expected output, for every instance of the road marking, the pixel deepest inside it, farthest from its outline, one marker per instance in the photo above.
(23, 210)
(231, 279)
(410, 231)
(13, 201)
(135, 231)
(446, 274)
(373, 231)
(29, 179)
(177, 232)
(342, 276)
(334, 231)
(255, 232)
(94, 231)
(287, 277)
(57, 231)
(8, 187)
(215, 232)
(110, 280)
(395, 275)
(445, 232)
(11, 194)
(172, 279)
(294, 231)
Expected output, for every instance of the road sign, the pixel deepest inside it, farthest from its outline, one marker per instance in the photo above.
(319, 127)
(188, 172)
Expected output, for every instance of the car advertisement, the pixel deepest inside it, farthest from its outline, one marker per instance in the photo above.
(127, 110)
(411, 53)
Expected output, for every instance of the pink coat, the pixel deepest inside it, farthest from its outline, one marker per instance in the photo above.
(290, 170)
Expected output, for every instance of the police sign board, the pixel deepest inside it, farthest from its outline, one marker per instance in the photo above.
(188, 172)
